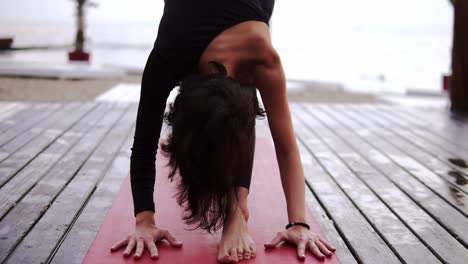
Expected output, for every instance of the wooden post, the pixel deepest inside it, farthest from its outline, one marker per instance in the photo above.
(459, 80)
(80, 38)
(79, 54)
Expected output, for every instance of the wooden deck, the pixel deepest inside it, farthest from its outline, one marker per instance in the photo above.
(387, 184)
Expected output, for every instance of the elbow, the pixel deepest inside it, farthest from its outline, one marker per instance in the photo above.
(268, 56)
(271, 58)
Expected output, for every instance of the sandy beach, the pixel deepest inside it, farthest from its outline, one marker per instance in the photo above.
(58, 90)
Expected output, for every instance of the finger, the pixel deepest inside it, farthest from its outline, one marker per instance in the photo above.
(233, 253)
(323, 248)
(171, 239)
(129, 248)
(330, 247)
(152, 248)
(278, 238)
(139, 248)
(301, 249)
(315, 250)
(119, 244)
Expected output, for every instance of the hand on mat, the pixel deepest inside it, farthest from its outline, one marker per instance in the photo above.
(304, 239)
(145, 235)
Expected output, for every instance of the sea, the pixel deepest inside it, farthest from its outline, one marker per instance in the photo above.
(370, 46)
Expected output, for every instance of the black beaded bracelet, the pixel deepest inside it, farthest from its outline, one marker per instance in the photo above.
(297, 223)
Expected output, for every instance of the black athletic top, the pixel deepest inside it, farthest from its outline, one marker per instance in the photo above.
(185, 30)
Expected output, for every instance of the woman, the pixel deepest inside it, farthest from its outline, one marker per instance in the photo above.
(218, 51)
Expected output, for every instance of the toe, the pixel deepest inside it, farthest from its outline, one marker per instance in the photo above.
(224, 259)
(223, 255)
(233, 254)
(240, 254)
(246, 252)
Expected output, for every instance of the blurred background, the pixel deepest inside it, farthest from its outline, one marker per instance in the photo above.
(335, 50)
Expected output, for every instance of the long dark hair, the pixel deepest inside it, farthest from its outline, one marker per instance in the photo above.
(211, 120)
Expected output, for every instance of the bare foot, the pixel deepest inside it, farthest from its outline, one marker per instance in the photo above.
(236, 243)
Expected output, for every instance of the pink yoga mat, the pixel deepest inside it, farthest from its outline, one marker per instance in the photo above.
(268, 216)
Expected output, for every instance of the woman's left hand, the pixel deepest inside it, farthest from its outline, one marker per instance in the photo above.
(304, 239)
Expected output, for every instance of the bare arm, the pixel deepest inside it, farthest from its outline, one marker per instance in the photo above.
(271, 82)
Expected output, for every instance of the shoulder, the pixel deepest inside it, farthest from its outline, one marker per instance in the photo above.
(257, 42)
(247, 43)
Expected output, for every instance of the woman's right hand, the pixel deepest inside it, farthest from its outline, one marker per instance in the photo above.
(145, 235)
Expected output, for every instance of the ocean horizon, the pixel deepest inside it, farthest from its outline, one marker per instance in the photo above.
(389, 54)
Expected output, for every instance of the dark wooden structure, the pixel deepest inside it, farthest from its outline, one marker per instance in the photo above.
(387, 184)
(459, 80)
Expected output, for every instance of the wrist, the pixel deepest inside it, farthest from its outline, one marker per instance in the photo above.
(297, 219)
(295, 225)
(298, 228)
(145, 217)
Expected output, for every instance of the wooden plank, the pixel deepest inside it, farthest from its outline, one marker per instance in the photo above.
(20, 139)
(49, 132)
(343, 252)
(51, 177)
(122, 94)
(41, 241)
(452, 128)
(437, 148)
(19, 116)
(407, 142)
(358, 136)
(450, 174)
(445, 146)
(83, 232)
(93, 128)
(442, 188)
(262, 128)
(7, 108)
(327, 226)
(23, 114)
(326, 223)
(387, 224)
(366, 244)
(22, 124)
(442, 147)
(442, 243)
(55, 157)
(11, 110)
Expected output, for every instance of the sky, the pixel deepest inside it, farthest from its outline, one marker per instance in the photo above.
(378, 13)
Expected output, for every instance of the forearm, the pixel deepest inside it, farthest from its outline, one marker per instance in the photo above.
(292, 179)
(271, 82)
